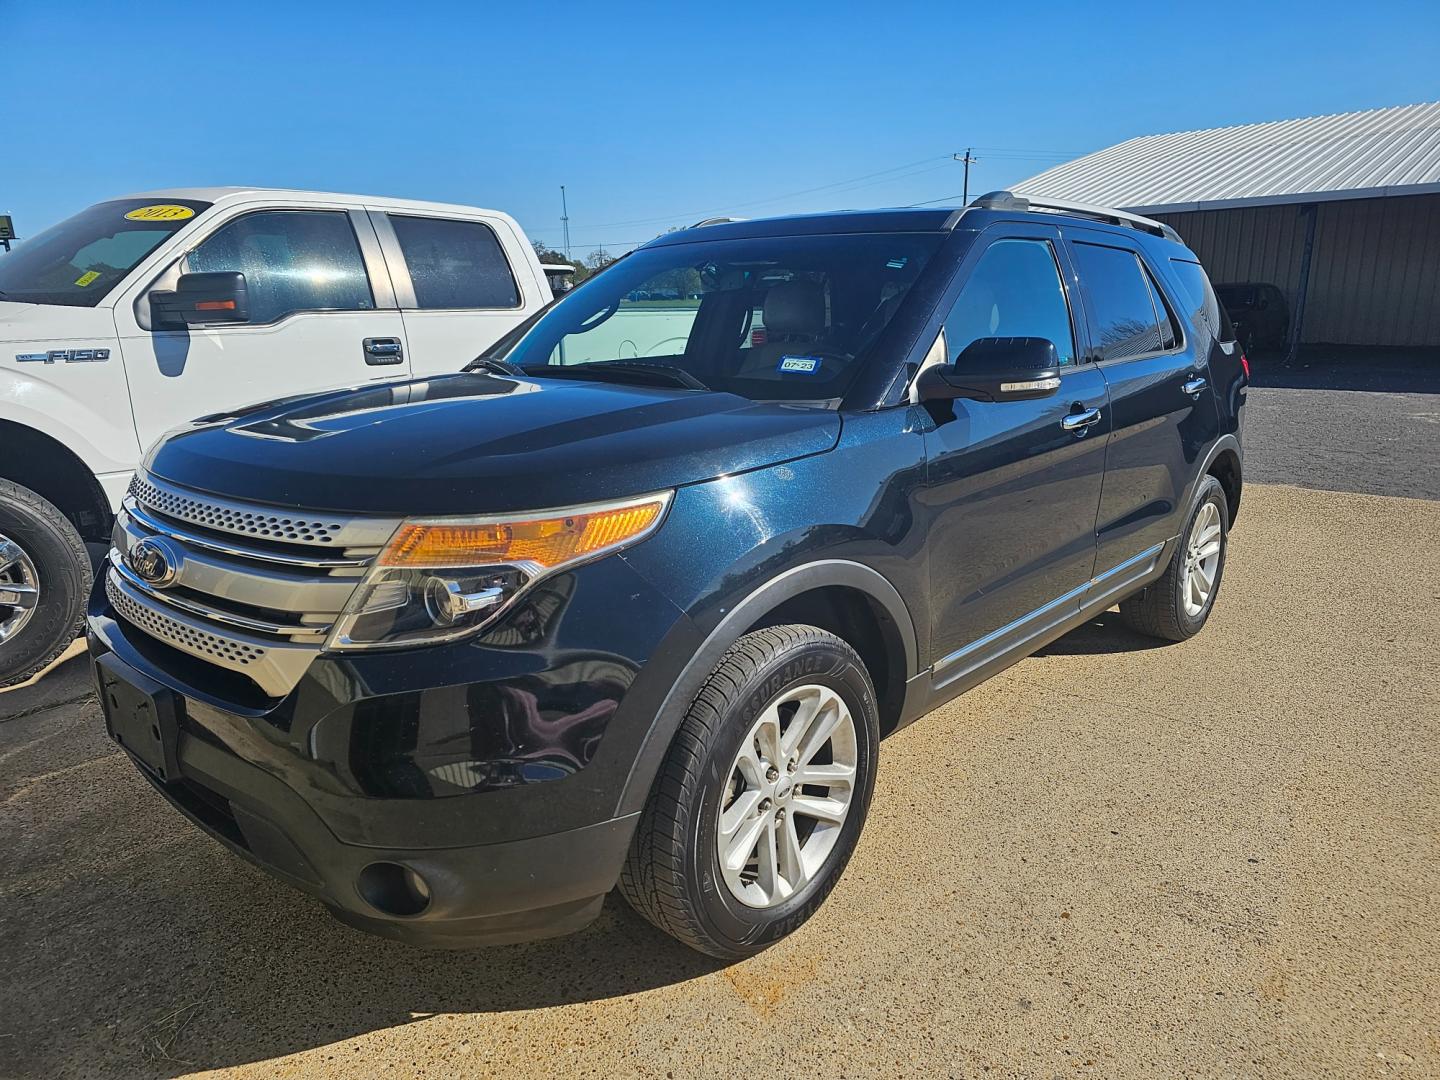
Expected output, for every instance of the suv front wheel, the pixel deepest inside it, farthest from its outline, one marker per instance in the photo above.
(762, 796)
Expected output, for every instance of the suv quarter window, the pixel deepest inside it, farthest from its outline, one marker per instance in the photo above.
(1123, 301)
(1200, 294)
(1013, 290)
(455, 265)
(293, 261)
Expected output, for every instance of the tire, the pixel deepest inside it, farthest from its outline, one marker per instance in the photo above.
(52, 558)
(673, 874)
(1161, 609)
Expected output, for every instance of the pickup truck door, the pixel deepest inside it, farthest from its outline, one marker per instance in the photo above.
(1013, 486)
(1164, 414)
(461, 281)
(322, 316)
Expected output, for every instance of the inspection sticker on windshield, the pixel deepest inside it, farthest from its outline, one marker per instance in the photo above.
(800, 365)
(160, 212)
(87, 277)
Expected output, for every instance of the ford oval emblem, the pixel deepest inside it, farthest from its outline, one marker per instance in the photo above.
(154, 562)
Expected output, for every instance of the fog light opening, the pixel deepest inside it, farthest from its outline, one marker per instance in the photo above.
(393, 889)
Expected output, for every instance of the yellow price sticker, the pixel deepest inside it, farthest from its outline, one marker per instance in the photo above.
(160, 212)
(87, 277)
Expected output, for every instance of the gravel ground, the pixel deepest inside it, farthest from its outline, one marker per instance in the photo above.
(1211, 859)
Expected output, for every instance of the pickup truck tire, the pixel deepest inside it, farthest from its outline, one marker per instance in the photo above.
(796, 693)
(1176, 606)
(39, 550)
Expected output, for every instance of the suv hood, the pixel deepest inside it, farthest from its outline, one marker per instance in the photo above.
(479, 444)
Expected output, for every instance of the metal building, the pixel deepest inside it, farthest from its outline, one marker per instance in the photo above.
(1341, 212)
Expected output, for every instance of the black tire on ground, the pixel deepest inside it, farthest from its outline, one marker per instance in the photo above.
(62, 566)
(672, 875)
(1159, 609)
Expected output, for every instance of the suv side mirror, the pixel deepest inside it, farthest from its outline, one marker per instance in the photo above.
(995, 369)
(202, 299)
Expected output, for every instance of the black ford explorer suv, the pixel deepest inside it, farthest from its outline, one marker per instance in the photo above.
(634, 598)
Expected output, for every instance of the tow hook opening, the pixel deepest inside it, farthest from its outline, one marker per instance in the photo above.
(393, 889)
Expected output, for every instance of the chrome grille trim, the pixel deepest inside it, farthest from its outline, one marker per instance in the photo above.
(240, 622)
(273, 524)
(253, 589)
(237, 549)
(275, 667)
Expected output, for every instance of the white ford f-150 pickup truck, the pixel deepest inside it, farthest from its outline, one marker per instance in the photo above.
(144, 312)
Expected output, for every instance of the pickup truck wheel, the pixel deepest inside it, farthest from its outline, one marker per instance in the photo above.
(762, 796)
(1176, 606)
(44, 579)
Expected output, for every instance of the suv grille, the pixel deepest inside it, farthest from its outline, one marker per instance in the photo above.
(255, 589)
(211, 514)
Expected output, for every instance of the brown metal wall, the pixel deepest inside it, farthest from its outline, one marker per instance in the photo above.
(1374, 273)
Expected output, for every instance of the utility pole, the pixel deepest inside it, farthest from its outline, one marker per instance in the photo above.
(969, 159)
(565, 221)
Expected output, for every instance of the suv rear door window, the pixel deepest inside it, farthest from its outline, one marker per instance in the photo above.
(455, 265)
(1014, 291)
(1120, 299)
(293, 260)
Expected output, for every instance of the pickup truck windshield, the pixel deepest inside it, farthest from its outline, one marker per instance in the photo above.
(77, 262)
(779, 318)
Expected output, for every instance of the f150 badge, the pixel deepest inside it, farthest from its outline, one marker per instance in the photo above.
(69, 356)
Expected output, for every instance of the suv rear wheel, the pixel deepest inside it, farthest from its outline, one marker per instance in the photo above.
(762, 796)
(44, 579)
(1176, 606)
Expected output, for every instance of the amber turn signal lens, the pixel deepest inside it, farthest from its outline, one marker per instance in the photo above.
(548, 542)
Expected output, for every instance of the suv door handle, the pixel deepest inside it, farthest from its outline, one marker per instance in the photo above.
(1079, 421)
(380, 351)
(1195, 385)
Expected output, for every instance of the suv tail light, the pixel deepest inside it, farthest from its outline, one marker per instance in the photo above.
(1245, 364)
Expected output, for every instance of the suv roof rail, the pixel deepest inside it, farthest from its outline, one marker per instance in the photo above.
(716, 221)
(1008, 200)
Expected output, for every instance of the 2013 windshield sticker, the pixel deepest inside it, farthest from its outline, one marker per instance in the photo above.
(160, 212)
(800, 365)
(87, 277)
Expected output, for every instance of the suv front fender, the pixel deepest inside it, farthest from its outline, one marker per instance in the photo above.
(737, 619)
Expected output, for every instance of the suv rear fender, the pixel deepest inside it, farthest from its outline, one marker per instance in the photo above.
(1224, 461)
(895, 638)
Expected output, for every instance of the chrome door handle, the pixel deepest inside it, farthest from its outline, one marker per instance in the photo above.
(380, 351)
(1081, 420)
(1195, 385)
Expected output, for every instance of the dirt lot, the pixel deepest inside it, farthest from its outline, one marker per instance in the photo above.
(1211, 859)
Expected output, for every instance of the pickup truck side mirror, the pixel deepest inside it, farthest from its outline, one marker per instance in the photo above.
(995, 369)
(200, 300)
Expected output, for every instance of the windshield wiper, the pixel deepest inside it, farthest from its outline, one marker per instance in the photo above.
(627, 370)
(490, 364)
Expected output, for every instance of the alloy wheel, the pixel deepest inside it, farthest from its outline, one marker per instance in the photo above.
(19, 588)
(1202, 559)
(790, 788)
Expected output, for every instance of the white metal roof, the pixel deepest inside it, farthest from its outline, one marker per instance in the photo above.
(1357, 155)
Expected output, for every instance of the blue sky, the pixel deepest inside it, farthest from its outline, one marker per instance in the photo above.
(653, 115)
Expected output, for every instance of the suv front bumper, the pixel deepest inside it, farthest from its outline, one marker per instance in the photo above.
(414, 797)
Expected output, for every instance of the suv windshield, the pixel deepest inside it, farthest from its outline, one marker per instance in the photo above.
(776, 318)
(78, 261)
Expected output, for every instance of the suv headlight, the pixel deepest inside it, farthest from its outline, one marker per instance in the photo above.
(442, 578)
